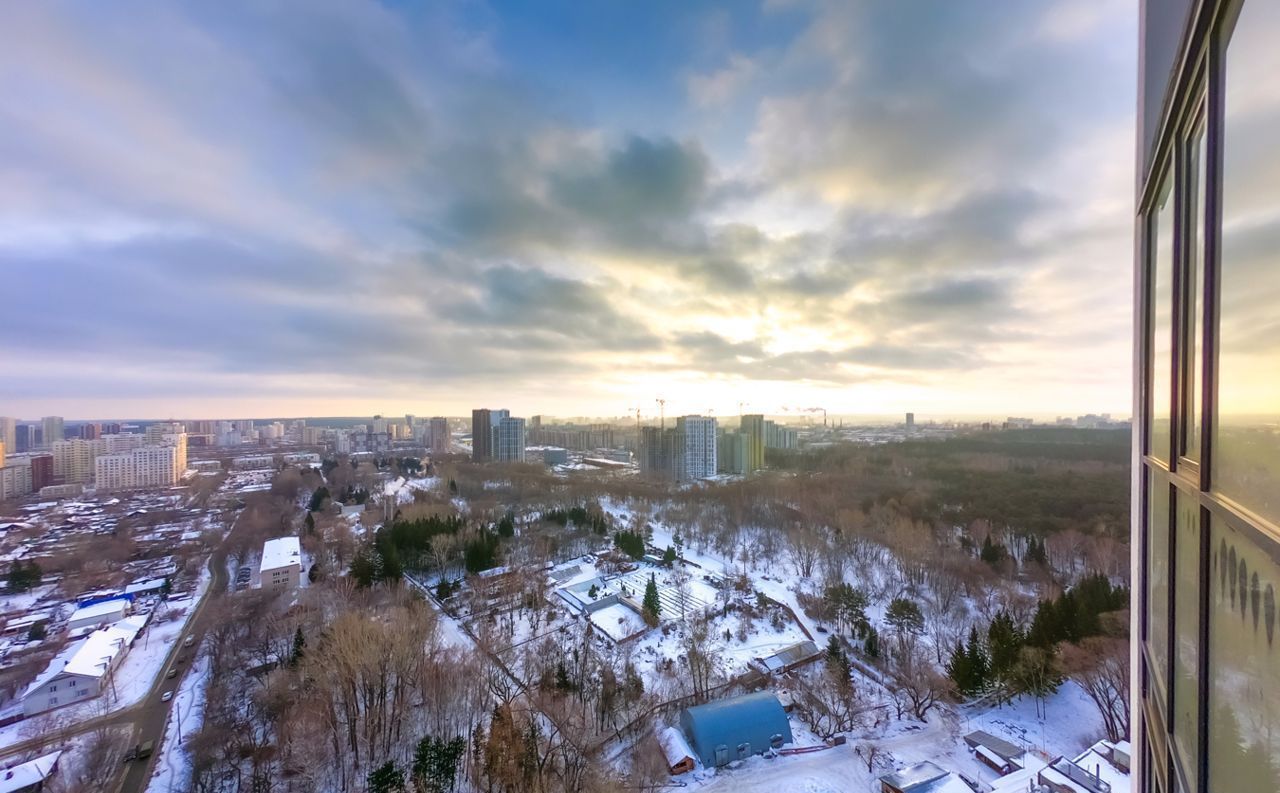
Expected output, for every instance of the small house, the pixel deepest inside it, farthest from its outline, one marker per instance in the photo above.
(997, 754)
(736, 728)
(676, 750)
(29, 777)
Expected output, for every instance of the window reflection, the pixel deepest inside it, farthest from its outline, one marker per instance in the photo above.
(1246, 463)
(1244, 649)
(1194, 269)
(1162, 324)
(1158, 587)
(1186, 711)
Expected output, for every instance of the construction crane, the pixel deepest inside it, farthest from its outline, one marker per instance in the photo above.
(662, 412)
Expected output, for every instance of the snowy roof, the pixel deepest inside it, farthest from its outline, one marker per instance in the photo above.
(28, 774)
(674, 747)
(998, 746)
(281, 552)
(144, 586)
(99, 610)
(101, 647)
(925, 777)
(789, 655)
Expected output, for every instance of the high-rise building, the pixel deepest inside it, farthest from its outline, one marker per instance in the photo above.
(41, 470)
(481, 435)
(15, 478)
(752, 426)
(9, 433)
(440, 439)
(23, 438)
(146, 466)
(731, 452)
(73, 459)
(911, 423)
(1206, 454)
(699, 433)
(662, 452)
(90, 431)
(776, 436)
(508, 443)
(52, 430)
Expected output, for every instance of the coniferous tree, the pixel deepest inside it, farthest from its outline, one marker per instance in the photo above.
(299, 647)
(960, 671)
(652, 605)
(979, 662)
(386, 778)
(871, 645)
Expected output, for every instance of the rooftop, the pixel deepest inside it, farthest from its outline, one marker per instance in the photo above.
(28, 774)
(281, 552)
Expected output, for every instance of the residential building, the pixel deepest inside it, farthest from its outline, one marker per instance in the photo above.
(145, 466)
(9, 434)
(24, 438)
(752, 426)
(509, 439)
(731, 452)
(662, 452)
(90, 431)
(51, 429)
(911, 423)
(41, 470)
(777, 436)
(281, 565)
(84, 669)
(699, 433)
(2, 453)
(73, 459)
(1206, 454)
(439, 434)
(481, 435)
(15, 478)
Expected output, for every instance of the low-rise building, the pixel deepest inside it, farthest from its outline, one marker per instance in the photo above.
(97, 615)
(281, 565)
(29, 777)
(926, 777)
(83, 670)
(736, 728)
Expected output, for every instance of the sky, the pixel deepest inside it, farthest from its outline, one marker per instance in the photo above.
(566, 208)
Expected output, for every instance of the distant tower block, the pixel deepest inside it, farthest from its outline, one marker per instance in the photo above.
(911, 423)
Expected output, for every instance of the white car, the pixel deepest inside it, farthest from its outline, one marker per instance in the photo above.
(166, 696)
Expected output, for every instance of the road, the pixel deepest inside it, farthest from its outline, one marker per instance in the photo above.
(148, 717)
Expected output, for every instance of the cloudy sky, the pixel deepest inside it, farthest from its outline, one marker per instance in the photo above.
(340, 208)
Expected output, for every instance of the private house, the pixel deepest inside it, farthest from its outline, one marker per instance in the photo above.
(995, 753)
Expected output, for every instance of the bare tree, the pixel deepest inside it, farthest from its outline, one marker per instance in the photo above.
(1101, 666)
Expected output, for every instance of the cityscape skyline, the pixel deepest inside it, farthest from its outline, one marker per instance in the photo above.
(378, 205)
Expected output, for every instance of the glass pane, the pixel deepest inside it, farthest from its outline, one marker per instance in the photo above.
(1162, 325)
(1158, 588)
(1246, 461)
(1186, 606)
(1244, 650)
(1195, 295)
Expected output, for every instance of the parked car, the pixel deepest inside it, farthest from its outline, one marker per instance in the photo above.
(166, 696)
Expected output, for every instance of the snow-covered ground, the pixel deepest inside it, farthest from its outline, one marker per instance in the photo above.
(186, 714)
(132, 680)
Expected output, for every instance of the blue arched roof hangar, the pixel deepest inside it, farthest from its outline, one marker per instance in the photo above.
(736, 728)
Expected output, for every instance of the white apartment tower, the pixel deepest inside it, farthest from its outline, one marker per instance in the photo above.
(699, 446)
(51, 427)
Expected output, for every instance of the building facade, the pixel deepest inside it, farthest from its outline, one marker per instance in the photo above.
(752, 426)
(1206, 473)
(508, 444)
(281, 565)
(699, 446)
(439, 432)
(9, 433)
(52, 429)
(481, 435)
